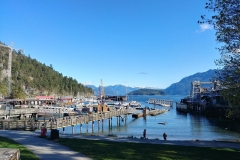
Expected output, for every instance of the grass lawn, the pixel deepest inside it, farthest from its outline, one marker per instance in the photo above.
(25, 154)
(98, 150)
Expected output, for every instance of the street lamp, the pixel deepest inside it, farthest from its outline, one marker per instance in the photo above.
(10, 65)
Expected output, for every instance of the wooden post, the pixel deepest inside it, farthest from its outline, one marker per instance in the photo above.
(87, 127)
(51, 124)
(111, 122)
(33, 124)
(63, 130)
(145, 112)
(9, 125)
(25, 124)
(92, 126)
(102, 123)
(117, 120)
(72, 129)
(80, 128)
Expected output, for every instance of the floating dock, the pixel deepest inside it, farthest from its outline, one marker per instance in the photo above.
(161, 102)
(146, 112)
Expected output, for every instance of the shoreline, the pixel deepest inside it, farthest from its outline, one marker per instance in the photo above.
(197, 143)
(45, 148)
(135, 137)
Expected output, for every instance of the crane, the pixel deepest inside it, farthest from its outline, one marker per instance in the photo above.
(10, 65)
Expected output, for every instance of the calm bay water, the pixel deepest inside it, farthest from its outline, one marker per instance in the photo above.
(179, 126)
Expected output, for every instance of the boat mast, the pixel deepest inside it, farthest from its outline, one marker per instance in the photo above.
(102, 92)
(126, 93)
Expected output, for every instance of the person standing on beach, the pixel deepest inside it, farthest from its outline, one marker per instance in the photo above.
(164, 136)
(144, 134)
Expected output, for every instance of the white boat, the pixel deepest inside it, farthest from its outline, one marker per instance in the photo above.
(119, 106)
(48, 110)
(134, 104)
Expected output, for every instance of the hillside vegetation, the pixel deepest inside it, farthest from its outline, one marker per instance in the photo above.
(31, 78)
(147, 92)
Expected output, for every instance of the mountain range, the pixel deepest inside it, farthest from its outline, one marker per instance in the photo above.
(184, 85)
(179, 88)
(113, 90)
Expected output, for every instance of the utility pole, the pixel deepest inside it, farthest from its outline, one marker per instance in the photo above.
(10, 65)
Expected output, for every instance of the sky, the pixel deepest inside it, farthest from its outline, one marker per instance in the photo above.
(139, 43)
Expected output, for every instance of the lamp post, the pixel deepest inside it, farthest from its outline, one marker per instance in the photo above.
(10, 65)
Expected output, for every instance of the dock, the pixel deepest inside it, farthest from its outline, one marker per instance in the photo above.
(34, 124)
(6, 114)
(146, 112)
(161, 102)
(157, 112)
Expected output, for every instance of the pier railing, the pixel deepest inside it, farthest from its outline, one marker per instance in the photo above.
(18, 111)
(31, 124)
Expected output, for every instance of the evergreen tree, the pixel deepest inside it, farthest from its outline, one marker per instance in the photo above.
(226, 22)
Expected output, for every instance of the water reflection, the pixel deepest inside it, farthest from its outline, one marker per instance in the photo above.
(179, 125)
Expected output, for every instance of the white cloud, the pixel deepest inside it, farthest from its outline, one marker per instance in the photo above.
(204, 27)
(143, 72)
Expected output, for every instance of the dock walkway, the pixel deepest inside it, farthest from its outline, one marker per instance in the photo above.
(31, 124)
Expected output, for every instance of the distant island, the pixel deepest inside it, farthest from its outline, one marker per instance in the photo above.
(147, 92)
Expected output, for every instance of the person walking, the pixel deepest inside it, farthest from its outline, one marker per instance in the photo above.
(144, 134)
(164, 136)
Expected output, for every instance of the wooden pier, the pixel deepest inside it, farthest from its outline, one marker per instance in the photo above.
(6, 114)
(57, 123)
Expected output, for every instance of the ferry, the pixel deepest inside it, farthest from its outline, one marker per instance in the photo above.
(202, 98)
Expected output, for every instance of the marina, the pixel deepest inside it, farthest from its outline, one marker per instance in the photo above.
(178, 125)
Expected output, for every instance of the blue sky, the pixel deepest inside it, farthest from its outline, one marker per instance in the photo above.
(131, 42)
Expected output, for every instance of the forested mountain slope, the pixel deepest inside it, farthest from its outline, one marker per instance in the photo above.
(31, 78)
(147, 92)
